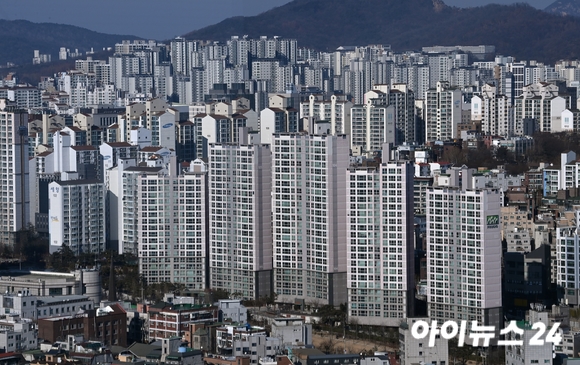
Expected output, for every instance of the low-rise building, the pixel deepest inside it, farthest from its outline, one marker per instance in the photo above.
(35, 307)
(184, 356)
(418, 351)
(341, 359)
(232, 310)
(375, 360)
(40, 283)
(226, 335)
(107, 325)
(233, 360)
(527, 354)
(168, 320)
(292, 331)
(257, 347)
(17, 334)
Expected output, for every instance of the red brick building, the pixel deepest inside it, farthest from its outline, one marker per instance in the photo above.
(107, 325)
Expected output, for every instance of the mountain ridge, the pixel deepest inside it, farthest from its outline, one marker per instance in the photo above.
(19, 39)
(564, 7)
(518, 30)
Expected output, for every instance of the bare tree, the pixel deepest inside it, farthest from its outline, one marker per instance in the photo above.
(314, 304)
(327, 346)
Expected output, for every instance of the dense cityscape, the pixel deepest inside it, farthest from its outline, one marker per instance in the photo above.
(253, 201)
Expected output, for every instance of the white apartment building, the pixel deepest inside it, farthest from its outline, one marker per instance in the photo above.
(565, 177)
(402, 98)
(142, 115)
(309, 217)
(112, 152)
(493, 111)
(181, 50)
(278, 120)
(24, 97)
(463, 252)
(14, 214)
(240, 219)
(77, 216)
(172, 227)
(442, 112)
(122, 198)
(335, 110)
(372, 124)
(380, 251)
(540, 101)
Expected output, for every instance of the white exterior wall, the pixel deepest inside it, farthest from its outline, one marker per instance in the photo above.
(292, 331)
(442, 113)
(258, 347)
(14, 180)
(567, 122)
(141, 137)
(175, 251)
(241, 257)
(167, 136)
(527, 354)
(417, 351)
(234, 310)
(310, 217)
(267, 125)
(18, 335)
(568, 262)
(464, 272)
(557, 107)
(77, 216)
(380, 251)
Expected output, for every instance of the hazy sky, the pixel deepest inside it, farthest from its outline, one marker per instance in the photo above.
(157, 19)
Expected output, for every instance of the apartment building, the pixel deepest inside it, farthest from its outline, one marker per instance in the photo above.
(77, 215)
(463, 251)
(380, 251)
(493, 111)
(172, 227)
(14, 213)
(336, 111)
(240, 219)
(309, 213)
(442, 112)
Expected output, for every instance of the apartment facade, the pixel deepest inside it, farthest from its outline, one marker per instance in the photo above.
(77, 216)
(240, 219)
(494, 111)
(464, 254)
(442, 112)
(15, 212)
(380, 251)
(172, 227)
(309, 217)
